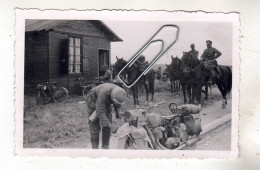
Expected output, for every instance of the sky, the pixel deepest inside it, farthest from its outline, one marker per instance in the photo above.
(136, 33)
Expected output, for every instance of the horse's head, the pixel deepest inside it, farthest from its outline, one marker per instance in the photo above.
(189, 61)
(176, 62)
(119, 64)
(166, 72)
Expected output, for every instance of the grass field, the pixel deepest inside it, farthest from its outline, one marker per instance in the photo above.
(58, 125)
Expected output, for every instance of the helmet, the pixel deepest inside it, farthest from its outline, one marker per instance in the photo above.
(118, 95)
(172, 143)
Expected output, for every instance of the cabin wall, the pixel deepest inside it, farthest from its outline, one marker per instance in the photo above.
(36, 60)
(58, 60)
(57, 72)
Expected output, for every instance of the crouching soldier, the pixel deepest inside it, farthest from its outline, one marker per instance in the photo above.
(99, 101)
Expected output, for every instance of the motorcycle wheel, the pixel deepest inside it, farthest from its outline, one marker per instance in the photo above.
(40, 98)
(60, 95)
(87, 89)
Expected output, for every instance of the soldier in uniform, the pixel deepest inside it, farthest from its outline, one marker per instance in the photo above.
(99, 102)
(210, 55)
(193, 52)
(107, 78)
(159, 73)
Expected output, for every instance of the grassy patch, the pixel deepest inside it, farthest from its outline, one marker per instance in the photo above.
(64, 125)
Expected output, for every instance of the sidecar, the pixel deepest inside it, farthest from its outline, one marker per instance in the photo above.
(143, 130)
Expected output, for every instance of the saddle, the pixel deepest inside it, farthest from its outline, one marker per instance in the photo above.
(212, 68)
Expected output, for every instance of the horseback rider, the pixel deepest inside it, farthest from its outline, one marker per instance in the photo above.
(209, 56)
(99, 101)
(141, 63)
(193, 52)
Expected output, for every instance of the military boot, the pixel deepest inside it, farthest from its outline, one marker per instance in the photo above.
(219, 72)
(105, 137)
(94, 141)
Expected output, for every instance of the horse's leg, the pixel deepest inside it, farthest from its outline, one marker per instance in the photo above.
(133, 90)
(171, 84)
(225, 92)
(222, 90)
(193, 93)
(151, 89)
(177, 87)
(174, 85)
(190, 92)
(146, 91)
(206, 92)
(136, 95)
(184, 92)
(198, 92)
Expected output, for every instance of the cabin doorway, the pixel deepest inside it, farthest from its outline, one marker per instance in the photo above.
(103, 60)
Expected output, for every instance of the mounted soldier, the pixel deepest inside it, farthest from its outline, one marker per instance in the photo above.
(193, 52)
(141, 63)
(209, 56)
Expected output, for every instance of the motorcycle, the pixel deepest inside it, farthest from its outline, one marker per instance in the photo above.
(144, 130)
(50, 91)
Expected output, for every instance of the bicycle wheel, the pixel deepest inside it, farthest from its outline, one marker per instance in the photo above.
(87, 89)
(60, 95)
(40, 98)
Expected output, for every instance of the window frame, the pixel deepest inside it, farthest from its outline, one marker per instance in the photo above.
(74, 46)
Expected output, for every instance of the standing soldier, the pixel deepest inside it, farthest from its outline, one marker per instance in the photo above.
(107, 78)
(210, 55)
(159, 73)
(193, 52)
(99, 101)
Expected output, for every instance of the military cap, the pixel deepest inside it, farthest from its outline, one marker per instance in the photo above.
(209, 42)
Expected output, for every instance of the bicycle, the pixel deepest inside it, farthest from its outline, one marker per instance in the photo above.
(88, 87)
(47, 92)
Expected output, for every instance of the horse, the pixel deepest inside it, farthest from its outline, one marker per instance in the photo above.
(172, 72)
(224, 82)
(181, 70)
(132, 73)
(199, 76)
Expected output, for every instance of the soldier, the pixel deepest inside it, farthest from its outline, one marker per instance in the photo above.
(210, 55)
(141, 63)
(107, 78)
(99, 101)
(159, 73)
(193, 52)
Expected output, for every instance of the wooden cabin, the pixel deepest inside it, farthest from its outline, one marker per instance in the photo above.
(65, 51)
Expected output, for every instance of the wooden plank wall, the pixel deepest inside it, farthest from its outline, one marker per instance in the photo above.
(92, 41)
(90, 47)
(36, 61)
(57, 41)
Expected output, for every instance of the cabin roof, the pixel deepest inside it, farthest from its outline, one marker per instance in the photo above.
(39, 25)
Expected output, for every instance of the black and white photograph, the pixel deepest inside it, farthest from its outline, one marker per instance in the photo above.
(115, 84)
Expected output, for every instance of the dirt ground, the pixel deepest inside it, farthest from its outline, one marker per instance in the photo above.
(58, 125)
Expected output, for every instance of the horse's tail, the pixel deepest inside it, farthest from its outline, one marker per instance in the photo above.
(229, 80)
